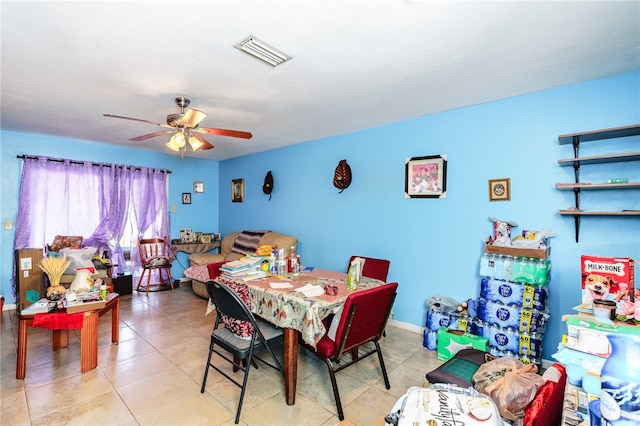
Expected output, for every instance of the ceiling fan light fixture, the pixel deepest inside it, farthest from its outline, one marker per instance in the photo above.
(178, 139)
(261, 50)
(172, 146)
(195, 143)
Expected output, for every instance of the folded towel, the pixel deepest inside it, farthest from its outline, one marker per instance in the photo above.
(247, 242)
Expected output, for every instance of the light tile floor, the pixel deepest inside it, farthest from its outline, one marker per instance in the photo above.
(153, 376)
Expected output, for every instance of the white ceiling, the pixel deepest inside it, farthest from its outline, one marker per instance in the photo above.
(356, 64)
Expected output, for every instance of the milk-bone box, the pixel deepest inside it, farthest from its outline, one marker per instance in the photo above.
(607, 278)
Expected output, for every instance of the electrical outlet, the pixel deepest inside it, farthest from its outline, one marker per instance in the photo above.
(8, 225)
(25, 274)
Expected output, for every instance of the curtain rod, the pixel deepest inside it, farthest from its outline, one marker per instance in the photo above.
(82, 163)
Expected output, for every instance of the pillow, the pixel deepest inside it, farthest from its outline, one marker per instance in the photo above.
(65, 241)
(80, 258)
(214, 269)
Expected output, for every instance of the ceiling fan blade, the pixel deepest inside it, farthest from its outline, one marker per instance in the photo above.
(137, 119)
(151, 135)
(192, 117)
(225, 132)
(205, 143)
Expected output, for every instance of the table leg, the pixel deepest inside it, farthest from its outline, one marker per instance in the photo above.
(21, 362)
(290, 364)
(89, 341)
(60, 339)
(115, 322)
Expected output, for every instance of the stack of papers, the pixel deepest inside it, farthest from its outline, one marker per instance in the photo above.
(310, 290)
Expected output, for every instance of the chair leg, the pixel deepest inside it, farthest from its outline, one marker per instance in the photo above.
(206, 367)
(248, 362)
(334, 385)
(170, 279)
(140, 279)
(382, 366)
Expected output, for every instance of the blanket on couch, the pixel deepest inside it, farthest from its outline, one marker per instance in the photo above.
(247, 242)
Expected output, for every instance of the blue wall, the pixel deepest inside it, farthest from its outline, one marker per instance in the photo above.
(434, 244)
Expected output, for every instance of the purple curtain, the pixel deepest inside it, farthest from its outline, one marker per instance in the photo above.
(97, 201)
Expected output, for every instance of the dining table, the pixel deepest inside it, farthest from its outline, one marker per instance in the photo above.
(280, 301)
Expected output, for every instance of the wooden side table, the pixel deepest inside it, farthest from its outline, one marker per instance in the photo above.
(60, 338)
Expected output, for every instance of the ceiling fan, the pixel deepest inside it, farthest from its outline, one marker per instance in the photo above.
(185, 128)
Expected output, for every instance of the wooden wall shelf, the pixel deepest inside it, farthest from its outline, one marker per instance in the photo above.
(576, 162)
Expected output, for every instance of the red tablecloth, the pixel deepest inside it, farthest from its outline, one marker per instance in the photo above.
(59, 321)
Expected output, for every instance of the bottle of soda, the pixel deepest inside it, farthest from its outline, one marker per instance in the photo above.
(292, 261)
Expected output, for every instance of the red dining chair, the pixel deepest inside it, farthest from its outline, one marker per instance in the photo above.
(378, 269)
(364, 316)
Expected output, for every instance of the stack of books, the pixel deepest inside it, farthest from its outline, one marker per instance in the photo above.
(247, 269)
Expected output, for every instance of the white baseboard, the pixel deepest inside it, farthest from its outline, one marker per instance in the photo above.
(419, 330)
(406, 326)
(11, 307)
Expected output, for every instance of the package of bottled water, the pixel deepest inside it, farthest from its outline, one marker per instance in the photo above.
(430, 339)
(510, 340)
(510, 293)
(435, 320)
(513, 316)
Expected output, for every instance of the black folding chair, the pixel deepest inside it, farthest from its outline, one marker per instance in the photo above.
(229, 303)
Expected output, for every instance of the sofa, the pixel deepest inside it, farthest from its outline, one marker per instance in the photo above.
(198, 272)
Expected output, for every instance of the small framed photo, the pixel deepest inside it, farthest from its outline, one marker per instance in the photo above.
(186, 198)
(198, 187)
(237, 190)
(500, 189)
(426, 177)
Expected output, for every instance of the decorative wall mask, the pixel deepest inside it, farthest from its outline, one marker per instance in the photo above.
(268, 184)
(342, 176)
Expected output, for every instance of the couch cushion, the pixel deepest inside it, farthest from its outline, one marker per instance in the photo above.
(196, 259)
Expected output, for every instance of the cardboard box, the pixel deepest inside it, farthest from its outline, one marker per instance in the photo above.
(606, 278)
(450, 342)
(73, 307)
(588, 334)
(518, 252)
(29, 277)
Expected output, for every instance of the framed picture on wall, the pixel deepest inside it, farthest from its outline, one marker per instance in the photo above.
(426, 177)
(198, 187)
(186, 198)
(500, 189)
(237, 190)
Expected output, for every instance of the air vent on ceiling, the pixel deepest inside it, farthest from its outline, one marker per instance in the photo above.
(261, 50)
